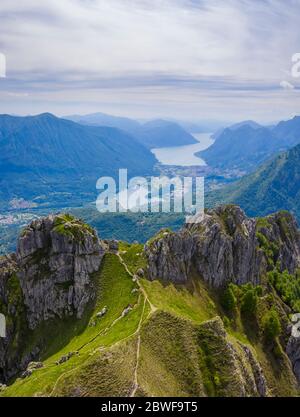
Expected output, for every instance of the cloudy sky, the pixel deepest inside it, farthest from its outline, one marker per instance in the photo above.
(187, 59)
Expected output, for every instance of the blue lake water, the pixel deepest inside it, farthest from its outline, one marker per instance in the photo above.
(184, 155)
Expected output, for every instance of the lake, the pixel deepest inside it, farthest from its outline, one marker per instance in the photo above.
(184, 155)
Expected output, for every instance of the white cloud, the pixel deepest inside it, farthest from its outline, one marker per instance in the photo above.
(140, 45)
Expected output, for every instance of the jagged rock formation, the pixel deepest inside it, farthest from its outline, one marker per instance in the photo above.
(8, 266)
(9, 307)
(293, 346)
(49, 277)
(56, 257)
(224, 246)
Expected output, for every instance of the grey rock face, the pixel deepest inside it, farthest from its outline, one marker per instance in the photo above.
(170, 257)
(49, 277)
(259, 377)
(8, 307)
(55, 265)
(8, 266)
(293, 346)
(223, 247)
(112, 245)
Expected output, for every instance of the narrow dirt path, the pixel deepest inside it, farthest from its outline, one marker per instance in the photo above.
(103, 332)
(138, 348)
(152, 307)
(135, 381)
(137, 331)
(152, 310)
(109, 347)
(63, 375)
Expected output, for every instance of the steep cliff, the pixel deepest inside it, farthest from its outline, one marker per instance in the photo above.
(225, 246)
(56, 257)
(293, 346)
(48, 278)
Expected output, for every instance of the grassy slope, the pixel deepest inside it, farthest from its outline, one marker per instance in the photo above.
(170, 323)
(114, 291)
(272, 187)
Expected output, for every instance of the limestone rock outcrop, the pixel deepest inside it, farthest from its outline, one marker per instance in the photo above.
(49, 277)
(293, 346)
(56, 257)
(224, 246)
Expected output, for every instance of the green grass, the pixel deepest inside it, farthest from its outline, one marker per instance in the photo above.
(104, 374)
(249, 331)
(263, 222)
(68, 225)
(159, 235)
(193, 304)
(114, 290)
(133, 256)
(169, 363)
(183, 350)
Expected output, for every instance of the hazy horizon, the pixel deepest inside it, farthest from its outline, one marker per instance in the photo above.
(205, 122)
(142, 59)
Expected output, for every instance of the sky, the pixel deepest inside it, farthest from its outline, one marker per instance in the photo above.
(185, 59)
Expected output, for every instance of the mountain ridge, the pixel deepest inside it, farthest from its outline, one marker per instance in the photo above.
(156, 133)
(138, 335)
(247, 146)
(273, 187)
(60, 156)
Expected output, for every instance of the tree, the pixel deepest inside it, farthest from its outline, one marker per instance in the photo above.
(271, 324)
(249, 301)
(229, 300)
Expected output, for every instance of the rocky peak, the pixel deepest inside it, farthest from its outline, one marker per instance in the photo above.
(293, 346)
(8, 266)
(50, 276)
(56, 256)
(225, 245)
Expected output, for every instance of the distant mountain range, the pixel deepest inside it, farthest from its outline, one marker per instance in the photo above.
(153, 134)
(54, 162)
(161, 133)
(44, 156)
(246, 145)
(244, 148)
(274, 186)
(102, 119)
(236, 126)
